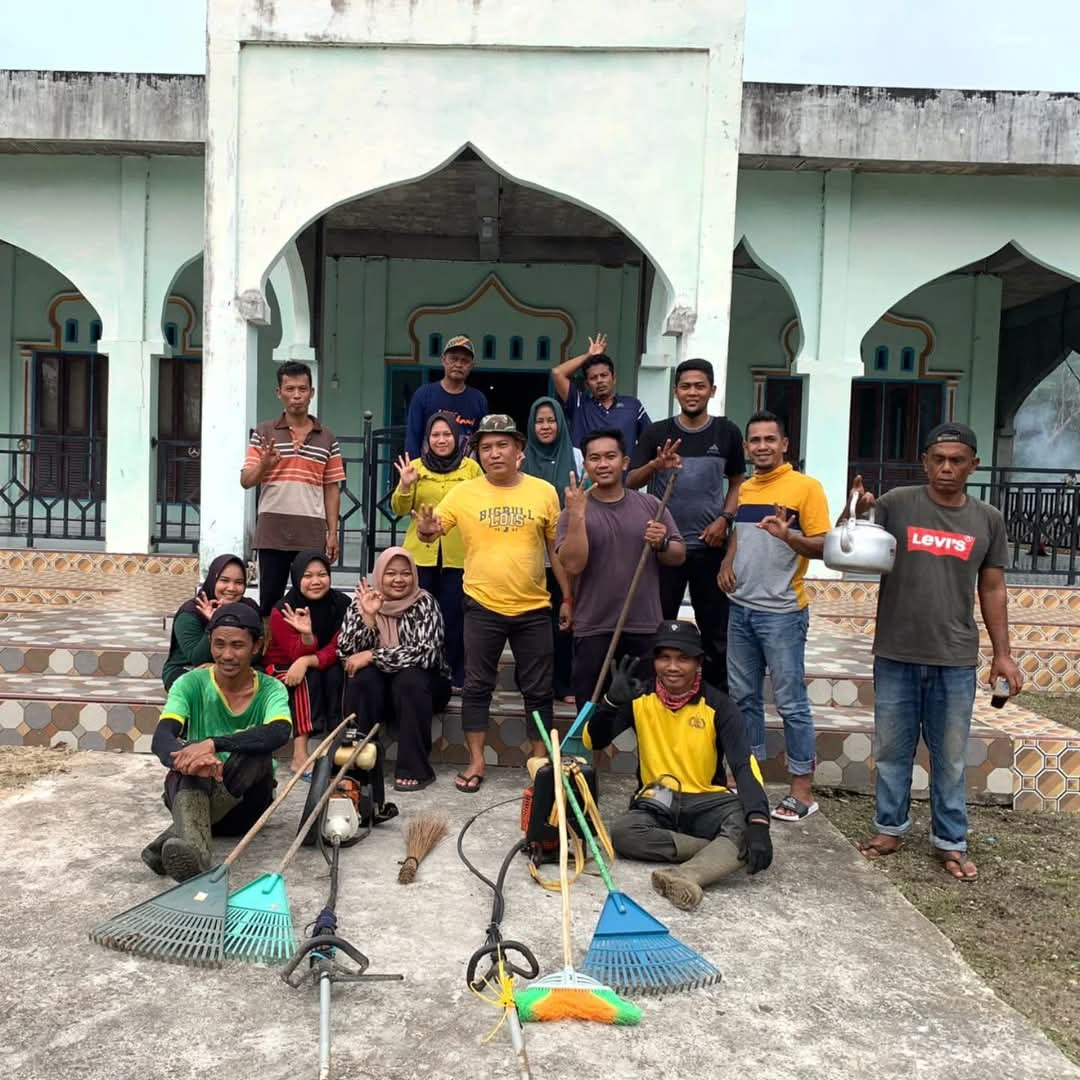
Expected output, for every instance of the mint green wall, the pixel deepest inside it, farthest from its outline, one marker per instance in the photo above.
(368, 302)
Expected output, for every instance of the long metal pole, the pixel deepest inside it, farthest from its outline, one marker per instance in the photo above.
(324, 1026)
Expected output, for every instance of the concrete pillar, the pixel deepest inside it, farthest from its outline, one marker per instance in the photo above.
(132, 405)
(11, 417)
(982, 383)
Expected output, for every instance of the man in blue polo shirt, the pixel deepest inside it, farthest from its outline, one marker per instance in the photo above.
(450, 394)
(598, 407)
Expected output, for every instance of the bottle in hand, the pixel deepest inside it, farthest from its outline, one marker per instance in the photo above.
(1000, 693)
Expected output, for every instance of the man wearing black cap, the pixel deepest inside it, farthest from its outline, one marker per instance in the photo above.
(949, 546)
(216, 735)
(451, 394)
(684, 813)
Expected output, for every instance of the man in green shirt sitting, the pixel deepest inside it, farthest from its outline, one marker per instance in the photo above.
(216, 736)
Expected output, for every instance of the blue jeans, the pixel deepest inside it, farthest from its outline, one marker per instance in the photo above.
(936, 702)
(775, 640)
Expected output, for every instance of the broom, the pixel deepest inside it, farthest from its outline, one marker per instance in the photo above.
(258, 923)
(421, 837)
(630, 949)
(567, 995)
(572, 743)
(186, 924)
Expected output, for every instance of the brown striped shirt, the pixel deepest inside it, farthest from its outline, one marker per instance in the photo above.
(292, 508)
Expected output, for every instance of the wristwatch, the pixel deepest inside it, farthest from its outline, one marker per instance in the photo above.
(729, 517)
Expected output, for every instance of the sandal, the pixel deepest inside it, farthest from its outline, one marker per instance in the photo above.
(407, 783)
(468, 785)
(955, 862)
(791, 809)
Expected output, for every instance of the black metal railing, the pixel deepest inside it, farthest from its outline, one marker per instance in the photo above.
(52, 487)
(367, 524)
(176, 507)
(1041, 508)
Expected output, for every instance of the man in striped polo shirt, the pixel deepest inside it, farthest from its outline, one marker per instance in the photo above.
(296, 463)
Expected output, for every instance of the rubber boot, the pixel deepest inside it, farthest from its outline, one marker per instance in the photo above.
(151, 854)
(683, 884)
(187, 853)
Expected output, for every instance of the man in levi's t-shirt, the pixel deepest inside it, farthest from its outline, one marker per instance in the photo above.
(949, 547)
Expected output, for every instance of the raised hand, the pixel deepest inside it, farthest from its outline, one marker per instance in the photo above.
(368, 600)
(778, 523)
(624, 687)
(667, 456)
(575, 495)
(268, 457)
(408, 474)
(597, 345)
(298, 618)
(428, 525)
(205, 606)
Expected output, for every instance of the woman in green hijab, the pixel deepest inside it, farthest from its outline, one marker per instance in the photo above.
(550, 455)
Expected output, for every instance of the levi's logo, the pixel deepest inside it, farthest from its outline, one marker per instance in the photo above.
(935, 542)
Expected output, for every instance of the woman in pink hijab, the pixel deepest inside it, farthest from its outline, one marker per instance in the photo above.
(392, 644)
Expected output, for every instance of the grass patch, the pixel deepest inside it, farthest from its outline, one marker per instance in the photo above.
(1017, 925)
(1061, 708)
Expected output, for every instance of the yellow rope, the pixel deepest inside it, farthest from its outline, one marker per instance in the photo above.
(504, 1001)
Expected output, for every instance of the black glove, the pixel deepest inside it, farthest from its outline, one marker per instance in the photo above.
(758, 846)
(624, 687)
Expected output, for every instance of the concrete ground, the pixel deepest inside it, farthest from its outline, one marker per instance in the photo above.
(828, 972)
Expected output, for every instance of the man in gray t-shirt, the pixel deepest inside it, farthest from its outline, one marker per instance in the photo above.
(599, 541)
(949, 546)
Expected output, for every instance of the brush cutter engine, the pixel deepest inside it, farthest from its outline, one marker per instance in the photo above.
(538, 821)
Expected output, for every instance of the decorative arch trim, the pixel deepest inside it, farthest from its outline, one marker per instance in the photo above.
(183, 346)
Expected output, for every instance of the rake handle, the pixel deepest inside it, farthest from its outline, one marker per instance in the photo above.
(564, 843)
(324, 799)
(590, 839)
(250, 835)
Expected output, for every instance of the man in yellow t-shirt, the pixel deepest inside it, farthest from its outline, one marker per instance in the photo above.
(506, 521)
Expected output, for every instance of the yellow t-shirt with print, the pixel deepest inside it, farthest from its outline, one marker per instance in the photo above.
(505, 530)
(429, 490)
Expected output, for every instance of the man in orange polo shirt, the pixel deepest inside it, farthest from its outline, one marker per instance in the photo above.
(296, 463)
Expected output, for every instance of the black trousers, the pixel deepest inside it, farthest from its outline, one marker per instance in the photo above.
(562, 674)
(274, 569)
(248, 777)
(324, 693)
(406, 700)
(710, 605)
(444, 583)
(486, 632)
(589, 653)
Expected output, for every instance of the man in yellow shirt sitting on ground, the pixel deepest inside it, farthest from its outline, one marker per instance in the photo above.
(684, 812)
(506, 520)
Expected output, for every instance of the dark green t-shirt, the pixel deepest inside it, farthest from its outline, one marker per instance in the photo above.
(202, 712)
(926, 605)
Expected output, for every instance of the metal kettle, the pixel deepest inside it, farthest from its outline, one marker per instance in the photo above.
(859, 547)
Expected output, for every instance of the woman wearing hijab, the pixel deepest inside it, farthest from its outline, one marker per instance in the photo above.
(302, 650)
(392, 646)
(442, 466)
(551, 456)
(189, 644)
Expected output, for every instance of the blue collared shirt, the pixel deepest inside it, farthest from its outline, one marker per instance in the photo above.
(586, 414)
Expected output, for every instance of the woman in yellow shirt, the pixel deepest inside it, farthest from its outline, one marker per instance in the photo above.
(442, 466)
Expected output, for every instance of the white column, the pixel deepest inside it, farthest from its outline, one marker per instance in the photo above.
(132, 405)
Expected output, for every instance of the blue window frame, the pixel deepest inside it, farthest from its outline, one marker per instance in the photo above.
(488, 347)
(907, 359)
(71, 331)
(171, 334)
(543, 349)
(434, 345)
(95, 331)
(881, 358)
(517, 348)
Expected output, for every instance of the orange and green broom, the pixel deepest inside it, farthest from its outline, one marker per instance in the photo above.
(568, 995)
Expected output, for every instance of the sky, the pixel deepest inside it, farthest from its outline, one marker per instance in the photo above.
(975, 44)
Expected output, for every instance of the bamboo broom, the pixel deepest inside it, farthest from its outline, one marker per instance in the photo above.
(421, 837)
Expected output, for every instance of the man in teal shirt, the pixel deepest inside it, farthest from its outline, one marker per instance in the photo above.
(216, 736)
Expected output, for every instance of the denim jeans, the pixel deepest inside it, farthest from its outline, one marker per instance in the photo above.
(775, 640)
(936, 702)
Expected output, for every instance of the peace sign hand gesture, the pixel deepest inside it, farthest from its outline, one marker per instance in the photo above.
(368, 599)
(428, 525)
(407, 473)
(269, 457)
(597, 345)
(575, 495)
(298, 618)
(667, 456)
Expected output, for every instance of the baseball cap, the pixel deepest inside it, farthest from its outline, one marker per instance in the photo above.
(241, 614)
(460, 342)
(683, 636)
(951, 432)
(497, 424)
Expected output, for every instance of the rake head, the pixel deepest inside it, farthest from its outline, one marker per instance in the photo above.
(635, 954)
(258, 924)
(185, 925)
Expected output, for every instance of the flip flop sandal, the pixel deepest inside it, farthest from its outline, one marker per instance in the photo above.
(471, 785)
(949, 859)
(797, 809)
(416, 785)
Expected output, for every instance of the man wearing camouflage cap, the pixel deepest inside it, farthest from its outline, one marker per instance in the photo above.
(507, 520)
(450, 395)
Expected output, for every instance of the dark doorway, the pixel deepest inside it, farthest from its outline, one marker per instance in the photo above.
(783, 398)
(889, 420)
